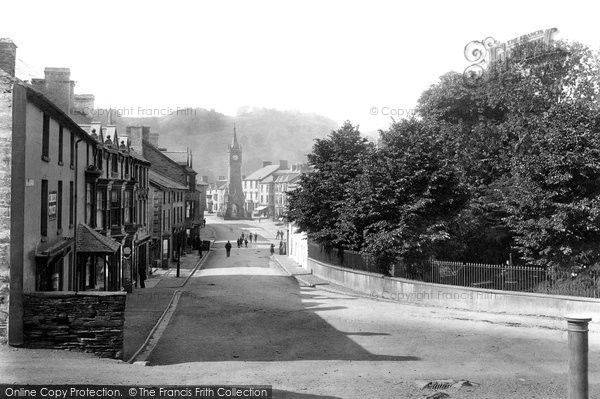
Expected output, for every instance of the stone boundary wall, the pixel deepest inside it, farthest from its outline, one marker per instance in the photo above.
(91, 322)
(463, 298)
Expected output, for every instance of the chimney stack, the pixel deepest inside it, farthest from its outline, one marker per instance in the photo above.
(8, 56)
(58, 87)
(266, 163)
(153, 139)
(135, 134)
(84, 103)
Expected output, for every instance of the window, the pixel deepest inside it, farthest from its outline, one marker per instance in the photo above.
(44, 209)
(128, 206)
(115, 163)
(72, 150)
(60, 145)
(59, 212)
(99, 160)
(88, 204)
(71, 203)
(115, 207)
(100, 209)
(46, 138)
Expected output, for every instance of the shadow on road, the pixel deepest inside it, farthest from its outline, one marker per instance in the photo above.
(255, 318)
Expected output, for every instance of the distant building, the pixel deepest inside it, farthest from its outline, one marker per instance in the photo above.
(266, 189)
(257, 189)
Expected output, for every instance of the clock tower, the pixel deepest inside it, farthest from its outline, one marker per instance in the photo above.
(235, 195)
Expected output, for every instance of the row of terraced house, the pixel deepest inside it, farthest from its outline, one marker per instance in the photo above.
(84, 208)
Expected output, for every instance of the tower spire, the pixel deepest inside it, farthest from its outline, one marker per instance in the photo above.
(235, 140)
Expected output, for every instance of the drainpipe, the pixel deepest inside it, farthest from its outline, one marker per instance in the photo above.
(75, 257)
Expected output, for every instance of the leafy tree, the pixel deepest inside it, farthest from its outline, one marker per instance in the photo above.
(315, 205)
(402, 202)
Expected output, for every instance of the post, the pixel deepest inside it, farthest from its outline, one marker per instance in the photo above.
(577, 328)
(178, 254)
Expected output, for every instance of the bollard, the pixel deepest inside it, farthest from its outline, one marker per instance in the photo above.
(577, 328)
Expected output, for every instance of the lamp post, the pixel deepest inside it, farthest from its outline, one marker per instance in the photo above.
(178, 253)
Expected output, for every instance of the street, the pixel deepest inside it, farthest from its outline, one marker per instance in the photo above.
(243, 320)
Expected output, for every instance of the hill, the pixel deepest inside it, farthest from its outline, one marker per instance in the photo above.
(265, 134)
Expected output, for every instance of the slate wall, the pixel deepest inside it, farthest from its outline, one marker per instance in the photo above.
(90, 322)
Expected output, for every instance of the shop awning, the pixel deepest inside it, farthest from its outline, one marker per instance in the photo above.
(51, 250)
(90, 241)
(260, 208)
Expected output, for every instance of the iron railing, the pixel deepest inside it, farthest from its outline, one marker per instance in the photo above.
(503, 277)
(343, 258)
(515, 278)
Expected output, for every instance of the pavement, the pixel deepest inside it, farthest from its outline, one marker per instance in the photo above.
(251, 319)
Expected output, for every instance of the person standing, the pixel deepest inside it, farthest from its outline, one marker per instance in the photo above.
(228, 248)
(142, 273)
(246, 242)
(255, 237)
(272, 249)
(250, 237)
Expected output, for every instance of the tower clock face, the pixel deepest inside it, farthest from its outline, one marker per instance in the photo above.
(235, 157)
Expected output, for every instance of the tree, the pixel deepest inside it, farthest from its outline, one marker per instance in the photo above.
(335, 163)
(402, 202)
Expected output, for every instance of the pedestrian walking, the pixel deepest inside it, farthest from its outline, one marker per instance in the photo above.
(255, 237)
(246, 242)
(228, 248)
(272, 249)
(280, 247)
(242, 236)
(239, 242)
(250, 237)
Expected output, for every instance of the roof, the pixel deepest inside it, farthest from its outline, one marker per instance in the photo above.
(50, 250)
(148, 148)
(181, 157)
(164, 182)
(262, 172)
(268, 179)
(90, 241)
(287, 176)
(40, 100)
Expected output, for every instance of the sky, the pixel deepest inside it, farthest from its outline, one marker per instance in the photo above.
(362, 61)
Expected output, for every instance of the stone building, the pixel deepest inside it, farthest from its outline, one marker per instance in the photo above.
(176, 208)
(72, 201)
(168, 228)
